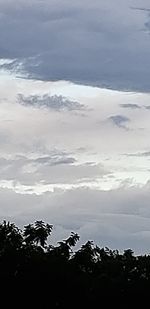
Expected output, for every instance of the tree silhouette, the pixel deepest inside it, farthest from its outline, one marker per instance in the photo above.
(10, 236)
(64, 248)
(37, 233)
(48, 276)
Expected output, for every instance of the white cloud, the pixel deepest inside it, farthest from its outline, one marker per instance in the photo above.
(28, 134)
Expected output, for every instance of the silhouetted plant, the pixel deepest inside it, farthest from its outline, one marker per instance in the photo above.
(10, 236)
(37, 233)
(87, 276)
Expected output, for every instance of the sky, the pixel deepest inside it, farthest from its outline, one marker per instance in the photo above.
(74, 118)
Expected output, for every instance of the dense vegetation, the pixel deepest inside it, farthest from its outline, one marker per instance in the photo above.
(36, 274)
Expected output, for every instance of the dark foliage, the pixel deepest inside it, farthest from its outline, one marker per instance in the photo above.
(35, 274)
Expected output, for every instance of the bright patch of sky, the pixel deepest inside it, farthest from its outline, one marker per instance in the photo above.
(105, 153)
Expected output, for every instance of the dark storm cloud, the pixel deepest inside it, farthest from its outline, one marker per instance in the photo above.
(129, 105)
(51, 102)
(119, 120)
(95, 43)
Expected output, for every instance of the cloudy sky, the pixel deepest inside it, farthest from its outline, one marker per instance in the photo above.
(74, 118)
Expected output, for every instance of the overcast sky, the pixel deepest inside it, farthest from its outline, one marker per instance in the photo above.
(74, 118)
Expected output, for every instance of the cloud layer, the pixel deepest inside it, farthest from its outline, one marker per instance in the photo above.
(118, 218)
(74, 155)
(97, 43)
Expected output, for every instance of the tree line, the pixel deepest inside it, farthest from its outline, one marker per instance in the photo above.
(36, 274)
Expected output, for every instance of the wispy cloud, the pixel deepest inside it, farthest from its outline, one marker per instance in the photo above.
(131, 106)
(140, 9)
(138, 154)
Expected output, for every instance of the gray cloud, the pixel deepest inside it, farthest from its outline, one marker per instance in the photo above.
(51, 102)
(94, 43)
(118, 218)
(147, 24)
(120, 121)
(147, 10)
(54, 169)
(140, 9)
(54, 161)
(129, 105)
(20, 168)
